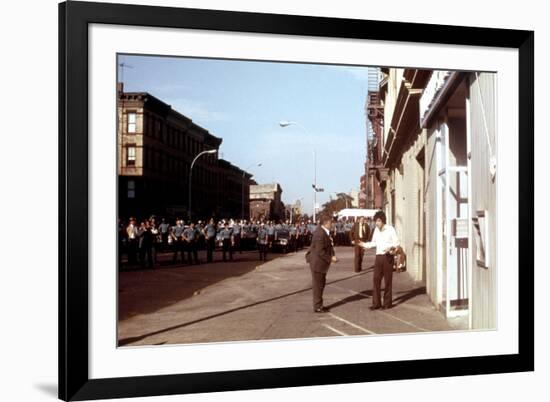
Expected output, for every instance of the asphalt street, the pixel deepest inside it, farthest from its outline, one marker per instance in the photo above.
(250, 300)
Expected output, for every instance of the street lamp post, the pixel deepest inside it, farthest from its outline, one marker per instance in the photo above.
(210, 151)
(284, 124)
(242, 187)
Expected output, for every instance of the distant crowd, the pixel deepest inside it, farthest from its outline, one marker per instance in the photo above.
(142, 241)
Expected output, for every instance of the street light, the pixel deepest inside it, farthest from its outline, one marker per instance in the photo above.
(210, 151)
(285, 123)
(242, 187)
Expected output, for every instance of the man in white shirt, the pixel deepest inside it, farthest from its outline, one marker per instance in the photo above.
(384, 239)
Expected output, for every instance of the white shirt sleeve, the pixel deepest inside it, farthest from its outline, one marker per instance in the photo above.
(372, 243)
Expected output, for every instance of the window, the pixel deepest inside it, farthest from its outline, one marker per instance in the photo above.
(481, 236)
(131, 122)
(131, 189)
(131, 156)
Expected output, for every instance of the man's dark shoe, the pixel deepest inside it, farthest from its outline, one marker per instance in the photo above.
(322, 310)
(374, 307)
(387, 307)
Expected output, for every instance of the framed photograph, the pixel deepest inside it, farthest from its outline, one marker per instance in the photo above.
(257, 200)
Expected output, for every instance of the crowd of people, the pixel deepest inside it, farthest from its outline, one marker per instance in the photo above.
(142, 241)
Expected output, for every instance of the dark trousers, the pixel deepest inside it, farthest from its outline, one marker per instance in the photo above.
(237, 239)
(132, 247)
(146, 256)
(293, 244)
(164, 241)
(179, 247)
(262, 248)
(358, 258)
(227, 249)
(383, 268)
(318, 281)
(192, 252)
(210, 246)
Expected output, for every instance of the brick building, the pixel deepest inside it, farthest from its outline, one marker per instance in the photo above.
(156, 145)
(265, 202)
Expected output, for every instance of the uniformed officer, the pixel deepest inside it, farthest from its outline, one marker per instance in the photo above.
(164, 230)
(177, 237)
(347, 229)
(262, 241)
(210, 236)
(199, 234)
(227, 242)
(311, 226)
(132, 245)
(190, 238)
(293, 231)
(237, 236)
(270, 234)
(301, 235)
(340, 233)
(145, 245)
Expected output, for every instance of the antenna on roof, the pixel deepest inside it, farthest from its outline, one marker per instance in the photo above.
(122, 67)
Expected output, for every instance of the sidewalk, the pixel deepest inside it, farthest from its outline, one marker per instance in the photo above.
(246, 300)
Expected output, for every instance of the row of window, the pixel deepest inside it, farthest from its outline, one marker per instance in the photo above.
(167, 134)
(160, 162)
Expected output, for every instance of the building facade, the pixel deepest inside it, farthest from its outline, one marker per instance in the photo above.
(372, 191)
(265, 202)
(439, 131)
(156, 146)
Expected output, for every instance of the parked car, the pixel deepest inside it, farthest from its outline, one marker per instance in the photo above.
(281, 241)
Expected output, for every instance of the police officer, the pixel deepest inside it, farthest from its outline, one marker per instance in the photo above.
(132, 236)
(301, 235)
(347, 230)
(262, 241)
(145, 244)
(190, 238)
(227, 242)
(177, 236)
(237, 236)
(210, 236)
(293, 231)
(199, 234)
(340, 233)
(270, 234)
(164, 231)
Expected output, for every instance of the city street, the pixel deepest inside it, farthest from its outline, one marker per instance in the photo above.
(249, 300)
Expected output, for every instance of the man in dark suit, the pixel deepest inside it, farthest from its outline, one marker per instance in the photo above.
(360, 232)
(320, 256)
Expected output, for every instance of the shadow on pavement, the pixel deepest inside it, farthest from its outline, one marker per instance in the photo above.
(146, 291)
(126, 341)
(368, 294)
(409, 295)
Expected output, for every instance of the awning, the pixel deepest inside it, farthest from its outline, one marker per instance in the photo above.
(405, 119)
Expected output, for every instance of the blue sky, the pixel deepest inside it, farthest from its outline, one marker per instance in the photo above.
(243, 102)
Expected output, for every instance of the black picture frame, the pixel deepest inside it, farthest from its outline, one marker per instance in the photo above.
(74, 18)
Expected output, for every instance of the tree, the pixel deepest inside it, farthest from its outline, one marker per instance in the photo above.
(333, 206)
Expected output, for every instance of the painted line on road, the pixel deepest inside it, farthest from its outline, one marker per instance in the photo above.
(271, 276)
(367, 331)
(335, 330)
(353, 292)
(404, 321)
(383, 312)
